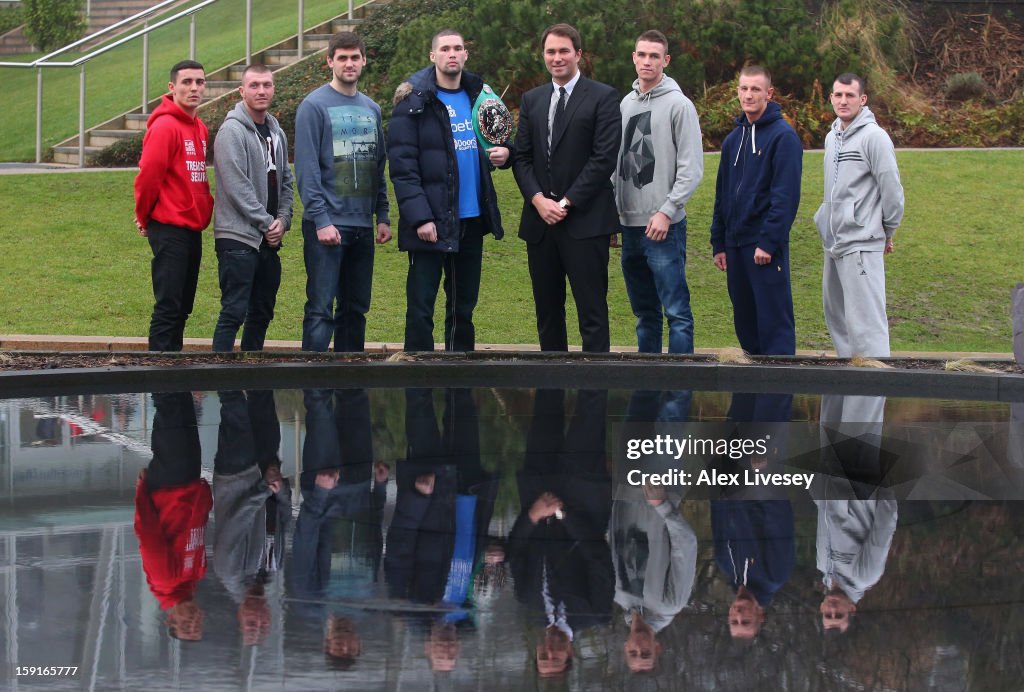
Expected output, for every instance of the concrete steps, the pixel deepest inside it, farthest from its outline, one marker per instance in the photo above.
(219, 83)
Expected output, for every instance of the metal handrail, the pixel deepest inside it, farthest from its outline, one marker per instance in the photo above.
(45, 61)
(134, 18)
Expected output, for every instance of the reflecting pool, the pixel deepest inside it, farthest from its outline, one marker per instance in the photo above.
(509, 539)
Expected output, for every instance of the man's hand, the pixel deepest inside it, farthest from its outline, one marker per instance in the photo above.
(761, 257)
(657, 227)
(498, 156)
(889, 248)
(274, 233)
(142, 229)
(427, 232)
(613, 240)
(273, 478)
(654, 494)
(425, 483)
(327, 480)
(328, 235)
(383, 233)
(720, 261)
(548, 209)
(381, 472)
(544, 506)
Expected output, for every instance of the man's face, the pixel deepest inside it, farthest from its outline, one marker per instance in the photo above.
(341, 639)
(553, 652)
(745, 617)
(561, 59)
(836, 610)
(650, 60)
(347, 64)
(442, 648)
(257, 91)
(847, 101)
(754, 93)
(641, 647)
(185, 621)
(188, 89)
(449, 54)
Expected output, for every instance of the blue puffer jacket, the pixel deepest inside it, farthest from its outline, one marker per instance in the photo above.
(758, 189)
(421, 154)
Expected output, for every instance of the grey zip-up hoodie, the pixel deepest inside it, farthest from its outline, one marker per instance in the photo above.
(240, 157)
(863, 195)
(661, 161)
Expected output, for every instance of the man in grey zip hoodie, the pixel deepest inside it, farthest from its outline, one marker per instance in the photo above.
(253, 209)
(863, 208)
(661, 162)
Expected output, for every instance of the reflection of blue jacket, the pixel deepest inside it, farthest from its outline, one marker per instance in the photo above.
(754, 544)
(421, 153)
(758, 189)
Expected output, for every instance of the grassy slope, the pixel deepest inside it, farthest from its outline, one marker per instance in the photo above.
(73, 263)
(110, 89)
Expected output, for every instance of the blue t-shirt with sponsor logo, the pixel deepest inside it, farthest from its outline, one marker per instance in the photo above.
(460, 113)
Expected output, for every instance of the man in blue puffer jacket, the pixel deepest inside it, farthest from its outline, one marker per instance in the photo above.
(446, 200)
(756, 200)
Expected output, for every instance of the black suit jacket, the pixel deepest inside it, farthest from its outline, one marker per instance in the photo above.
(582, 159)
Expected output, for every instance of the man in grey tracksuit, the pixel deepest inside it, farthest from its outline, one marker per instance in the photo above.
(862, 209)
(661, 162)
(253, 209)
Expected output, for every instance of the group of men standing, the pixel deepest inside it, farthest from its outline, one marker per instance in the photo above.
(588, 166)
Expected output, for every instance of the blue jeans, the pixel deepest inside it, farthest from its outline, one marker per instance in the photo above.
(655, 275)
(342, 273)
(249, 279)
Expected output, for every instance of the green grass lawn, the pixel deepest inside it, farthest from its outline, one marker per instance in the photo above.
(74, 264)
(112, 89)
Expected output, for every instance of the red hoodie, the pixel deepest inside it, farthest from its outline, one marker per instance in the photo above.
(171, 186)
(171, 526)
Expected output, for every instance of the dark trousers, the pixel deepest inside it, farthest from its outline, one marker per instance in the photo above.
(461, 272)
(249, 279)
(177, 456)
(249, 433)
(585, 262)
(762, 301)
(177, 253)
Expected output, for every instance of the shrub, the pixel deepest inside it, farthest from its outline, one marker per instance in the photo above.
(122, 154)
(10, 17)
(50, 24)
(965, 86)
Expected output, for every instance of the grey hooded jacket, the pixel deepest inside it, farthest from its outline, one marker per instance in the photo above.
(240, 158)
(863, 195)
(661, 160)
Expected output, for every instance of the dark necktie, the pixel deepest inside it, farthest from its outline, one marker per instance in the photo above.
(557, 121)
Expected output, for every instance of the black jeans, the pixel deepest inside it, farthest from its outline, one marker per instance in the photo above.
(177, 253)
(249, 279)
(177, 456)
(461, 289)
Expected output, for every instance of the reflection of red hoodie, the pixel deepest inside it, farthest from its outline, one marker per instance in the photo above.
(171, 526)
(171, 186)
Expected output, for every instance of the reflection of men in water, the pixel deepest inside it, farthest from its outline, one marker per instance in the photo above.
(560, 560)
(654, 550)
(339, 165)
(437, 538)
(252, 505)
(753, 525)
(856, 515)
(172, 506)
(343, 493)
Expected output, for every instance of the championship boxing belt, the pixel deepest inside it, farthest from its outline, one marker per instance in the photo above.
(492, 122)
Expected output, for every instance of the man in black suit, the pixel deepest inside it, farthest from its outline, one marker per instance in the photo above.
(569, 135)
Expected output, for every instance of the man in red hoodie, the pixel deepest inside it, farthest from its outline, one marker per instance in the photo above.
(172, 507)
(173, 202)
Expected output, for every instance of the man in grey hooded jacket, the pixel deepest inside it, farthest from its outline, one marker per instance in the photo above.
(661, 162)
(863, 208)
(253, 209)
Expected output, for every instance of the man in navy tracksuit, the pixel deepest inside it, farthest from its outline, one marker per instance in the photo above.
(756, 200)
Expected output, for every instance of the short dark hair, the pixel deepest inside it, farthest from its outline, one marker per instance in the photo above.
(653, 36)
(345, 39)
(258, 68)
(185, 65)
(756, 71)
(565, 31)
(850, 78)
(447, 31)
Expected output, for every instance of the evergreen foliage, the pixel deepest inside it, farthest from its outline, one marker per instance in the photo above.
(50, 24)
